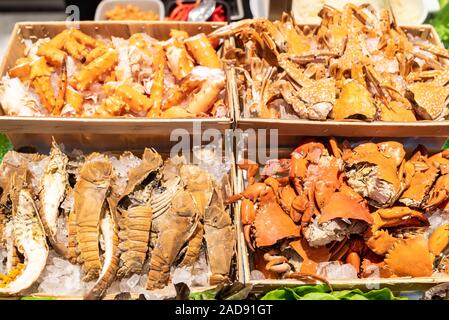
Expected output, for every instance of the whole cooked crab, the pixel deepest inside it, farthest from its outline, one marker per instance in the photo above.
(331, 206)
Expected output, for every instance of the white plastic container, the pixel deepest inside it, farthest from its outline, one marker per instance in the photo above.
(145, 5)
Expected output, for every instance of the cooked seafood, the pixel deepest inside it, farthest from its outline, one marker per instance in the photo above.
(344, 207)
(91, 191)
(76, 75)
(29, 239)
(111, 220)
(135, 218)
(220, 238)
(356, 64)
(54, 183)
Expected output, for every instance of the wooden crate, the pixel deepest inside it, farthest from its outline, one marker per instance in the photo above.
(164, 149)
(33, 129)
(353, 128)
(395, 284)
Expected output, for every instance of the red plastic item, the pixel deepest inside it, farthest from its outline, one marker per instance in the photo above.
(181, 12)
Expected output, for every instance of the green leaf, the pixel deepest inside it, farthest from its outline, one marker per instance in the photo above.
(5, 145)
(204, 295)
(319, 296)
(321, 292)
(36, 298)
(302, 290)
(280, 294)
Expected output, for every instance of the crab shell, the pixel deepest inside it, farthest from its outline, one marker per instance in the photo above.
(380, 241)
(410, 257)
(439, 240)
(341, 205)
(311, 256)
(273, 224)
(358, 97)
(398, 217)
(373, 172)
(419, 188)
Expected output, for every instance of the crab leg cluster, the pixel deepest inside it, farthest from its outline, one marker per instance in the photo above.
(357, 64)
(76, 75)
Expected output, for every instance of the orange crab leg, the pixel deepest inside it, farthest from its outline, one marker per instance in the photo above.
(202, 51)
(74, 98)
(59, 103)
(53, 55)
(59, 40)
(354, 259)
(157, 89)
(135, 100)
(40, 74)
(95, 69)
(85, 39)
(179, 61)
(21, 70)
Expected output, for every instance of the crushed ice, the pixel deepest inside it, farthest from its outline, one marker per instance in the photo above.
(333, 270)
(436, 219)
(62, 278)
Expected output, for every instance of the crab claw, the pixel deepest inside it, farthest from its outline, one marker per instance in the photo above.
(247, 234)
(278, 264)
(440, 192)
(252, 168)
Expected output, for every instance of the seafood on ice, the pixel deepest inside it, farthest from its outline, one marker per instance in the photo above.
(76, 75)
(356, 64)
(347, 211)
(103, 220)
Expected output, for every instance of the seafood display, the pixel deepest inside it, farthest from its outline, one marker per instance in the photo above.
(347, 211)
(356, 64)
(76, 75)
(113, 220)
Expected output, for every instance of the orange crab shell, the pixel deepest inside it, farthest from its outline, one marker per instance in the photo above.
(410, 257)
(311, 256)
(398, 217)
(439, 240)
(341, 205)
(371, 259)
(273, 224)
(386, 162)
(380, 241)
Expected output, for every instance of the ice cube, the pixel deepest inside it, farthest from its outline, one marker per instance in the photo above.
(257, 275)
(182, 275)
(124, 286)
(133, 281)
(333, 270)
(59, 263)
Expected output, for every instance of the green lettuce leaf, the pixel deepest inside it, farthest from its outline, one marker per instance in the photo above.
(5, 145)
(322, 292)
